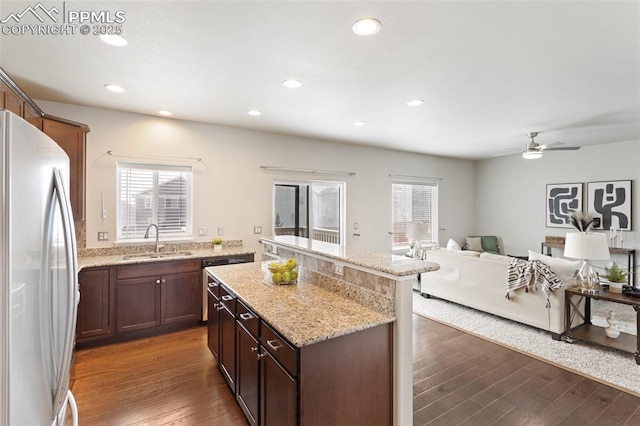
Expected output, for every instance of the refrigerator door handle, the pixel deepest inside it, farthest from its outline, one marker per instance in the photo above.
(60, 394)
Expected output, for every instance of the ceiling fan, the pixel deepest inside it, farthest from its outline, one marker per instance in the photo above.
(534, 150)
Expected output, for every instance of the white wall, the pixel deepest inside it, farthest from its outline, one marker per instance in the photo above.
(231, 191)
(511, 191)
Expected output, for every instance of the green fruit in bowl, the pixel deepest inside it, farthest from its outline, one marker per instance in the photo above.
(286, 277)
(274, 267)
(276, 277)
(294, 275)
(292, 263)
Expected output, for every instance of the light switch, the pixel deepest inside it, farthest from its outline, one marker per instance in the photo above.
(103, 236)
(202, 232)
(257, 229)
(220, 232)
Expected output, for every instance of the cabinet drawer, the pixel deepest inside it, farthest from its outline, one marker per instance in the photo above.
(248, 319)
(228, 299)
(281, 350)
(154, 269)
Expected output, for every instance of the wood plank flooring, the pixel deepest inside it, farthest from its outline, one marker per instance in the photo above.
(458, 379)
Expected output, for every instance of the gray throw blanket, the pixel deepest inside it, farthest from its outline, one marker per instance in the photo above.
(531, 274)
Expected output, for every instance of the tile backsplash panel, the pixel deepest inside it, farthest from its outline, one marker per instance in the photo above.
(143, 248)
(362, 287)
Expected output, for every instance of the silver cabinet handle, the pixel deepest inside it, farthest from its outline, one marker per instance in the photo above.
(246, 316)
(212, 285)
(273, 344)
(227, 298)
(254, 349)
(220, 308)
(157, 281)
(260, 355)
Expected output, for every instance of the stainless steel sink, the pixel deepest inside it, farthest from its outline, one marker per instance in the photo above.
(154, 255)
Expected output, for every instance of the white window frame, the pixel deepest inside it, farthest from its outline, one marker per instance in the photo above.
(155, 202)
(343, 199)
(434, 211)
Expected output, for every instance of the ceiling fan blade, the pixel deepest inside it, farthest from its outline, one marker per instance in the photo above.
(502, 154)
(564, 148)
(551, 145)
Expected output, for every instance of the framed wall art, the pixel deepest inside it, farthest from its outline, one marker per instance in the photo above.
(562, 200)
(609, 203)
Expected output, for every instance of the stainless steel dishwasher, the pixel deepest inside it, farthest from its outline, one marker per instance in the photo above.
(218, 261)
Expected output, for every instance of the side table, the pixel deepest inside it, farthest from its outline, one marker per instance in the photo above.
(592, 333)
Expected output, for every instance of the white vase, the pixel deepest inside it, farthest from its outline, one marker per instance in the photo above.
(612, 329)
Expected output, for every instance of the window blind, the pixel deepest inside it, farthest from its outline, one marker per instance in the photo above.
(413, 202)
(154, 193)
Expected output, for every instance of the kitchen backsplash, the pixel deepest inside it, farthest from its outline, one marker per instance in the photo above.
(142, 248)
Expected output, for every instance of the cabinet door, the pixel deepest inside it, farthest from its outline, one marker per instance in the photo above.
(181, 295)
(247, 377)
(213, 325)
(93, 310)
(137, 303)
(32, 116)
(227, 360)
(72, 139)
(278, 397)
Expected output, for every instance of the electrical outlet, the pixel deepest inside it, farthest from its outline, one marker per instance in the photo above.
(257, 229)
(355, 225)
(338, 269)
(103, 214)
(103, 236)
(202, 232)
(220, 232)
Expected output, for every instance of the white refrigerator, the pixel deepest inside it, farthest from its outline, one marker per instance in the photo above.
(38, 278)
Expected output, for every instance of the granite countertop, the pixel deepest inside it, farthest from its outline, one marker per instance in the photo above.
(119, 259)
(303, 313)
(382, 262)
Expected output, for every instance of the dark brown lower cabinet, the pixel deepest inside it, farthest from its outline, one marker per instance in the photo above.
(248, 374)
(137, 303)
(227, 360)
(213, 324)
(180, 297)
(278, 396)
(93, 309)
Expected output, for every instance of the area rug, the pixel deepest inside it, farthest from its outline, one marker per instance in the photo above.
(611, 367)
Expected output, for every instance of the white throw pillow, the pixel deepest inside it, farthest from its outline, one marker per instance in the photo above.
(453, 245)
(474, 243)
(564, 269)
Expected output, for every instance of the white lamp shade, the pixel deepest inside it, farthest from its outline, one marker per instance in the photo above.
(418, 231)
(579, 245)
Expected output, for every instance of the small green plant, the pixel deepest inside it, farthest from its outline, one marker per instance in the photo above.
(615, 274)
(217, 242)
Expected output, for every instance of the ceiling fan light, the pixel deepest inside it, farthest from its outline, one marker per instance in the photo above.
(531, 155)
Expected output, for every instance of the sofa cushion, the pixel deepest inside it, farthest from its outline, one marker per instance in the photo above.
(564, 269)
(453, 245)
(469, 253)
(474, 243)
(488, 255)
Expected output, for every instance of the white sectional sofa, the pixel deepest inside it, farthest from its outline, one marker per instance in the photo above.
(479, 280)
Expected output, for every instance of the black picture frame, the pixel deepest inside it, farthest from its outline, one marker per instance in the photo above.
(562, 199)
(609, 204)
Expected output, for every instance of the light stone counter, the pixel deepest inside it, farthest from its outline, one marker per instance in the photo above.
(119, 259)
(387, 263)
(303, 313)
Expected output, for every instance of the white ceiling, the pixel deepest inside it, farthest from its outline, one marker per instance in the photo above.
(489, 72)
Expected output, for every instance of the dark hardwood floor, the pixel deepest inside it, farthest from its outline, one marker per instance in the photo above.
(458, 379)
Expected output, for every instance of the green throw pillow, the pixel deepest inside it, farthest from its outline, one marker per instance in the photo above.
(490, 244)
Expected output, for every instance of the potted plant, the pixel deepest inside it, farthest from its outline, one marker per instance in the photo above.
(616, 277)
(217, 244)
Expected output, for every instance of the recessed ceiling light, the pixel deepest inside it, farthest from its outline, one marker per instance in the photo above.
(165, 113)
(358, 123)
(415, 102)
(254, 112)
(291, 83)
(366, 26)
(114, 88)
(114, 40)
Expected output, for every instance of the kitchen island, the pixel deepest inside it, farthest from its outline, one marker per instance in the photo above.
(299, 354)
(380, 282)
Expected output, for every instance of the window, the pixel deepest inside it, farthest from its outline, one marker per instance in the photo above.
(298, 204)
(154, 193)
(414, 202)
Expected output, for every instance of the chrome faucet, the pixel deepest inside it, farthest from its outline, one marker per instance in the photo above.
(146, 235)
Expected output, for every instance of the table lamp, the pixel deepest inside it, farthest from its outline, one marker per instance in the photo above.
(417, 232)
(587, 246)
